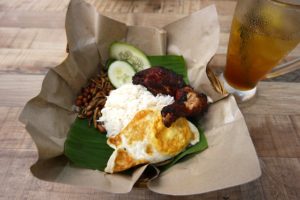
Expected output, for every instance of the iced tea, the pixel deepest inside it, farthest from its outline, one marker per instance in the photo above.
(259, 40)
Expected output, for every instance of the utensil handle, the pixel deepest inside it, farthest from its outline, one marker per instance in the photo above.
(284, 68)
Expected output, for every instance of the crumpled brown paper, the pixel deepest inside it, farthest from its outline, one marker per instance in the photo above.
(230, 159)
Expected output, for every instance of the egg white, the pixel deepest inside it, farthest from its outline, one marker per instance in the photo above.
(137, 150)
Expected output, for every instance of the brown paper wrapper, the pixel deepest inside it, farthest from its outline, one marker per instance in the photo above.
(230, 159)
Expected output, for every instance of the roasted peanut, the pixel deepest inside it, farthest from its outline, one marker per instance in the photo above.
(95, 117)
(89, 113)
(86, 90)
(101, 128)
(92, 99)
(85, 94)
(78, 102)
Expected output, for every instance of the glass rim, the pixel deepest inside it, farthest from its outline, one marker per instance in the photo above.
(289, 4)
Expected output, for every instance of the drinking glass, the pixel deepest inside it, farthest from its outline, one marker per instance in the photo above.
(262, 33)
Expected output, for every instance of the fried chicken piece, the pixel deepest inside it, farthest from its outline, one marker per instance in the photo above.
(159, 80)
(187, 103)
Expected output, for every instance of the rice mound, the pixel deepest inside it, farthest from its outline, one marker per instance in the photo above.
(124, 102)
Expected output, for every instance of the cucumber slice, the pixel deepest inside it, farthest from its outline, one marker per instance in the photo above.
(108, 62)
(130, 54)
(120, 73)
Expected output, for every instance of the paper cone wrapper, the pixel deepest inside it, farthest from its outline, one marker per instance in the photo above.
(230, 159)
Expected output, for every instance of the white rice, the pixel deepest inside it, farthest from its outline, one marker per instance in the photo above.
(123, 103)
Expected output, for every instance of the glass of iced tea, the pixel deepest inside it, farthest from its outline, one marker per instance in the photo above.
(262, 33)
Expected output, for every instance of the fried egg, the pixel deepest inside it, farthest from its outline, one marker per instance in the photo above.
(146, 140)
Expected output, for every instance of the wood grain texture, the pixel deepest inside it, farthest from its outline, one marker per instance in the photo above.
(29, 61)
(16, 90)
(276, 138)
(32, 39)
(274, 135)
(280, 179)
(40, 26)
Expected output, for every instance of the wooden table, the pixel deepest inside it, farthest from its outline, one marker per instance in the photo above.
(32, 39)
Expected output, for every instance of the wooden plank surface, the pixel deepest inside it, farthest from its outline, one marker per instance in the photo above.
(32, 39)
(275, 136)
(39, 25)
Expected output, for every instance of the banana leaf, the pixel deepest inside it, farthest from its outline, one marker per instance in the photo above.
(172, 62)
(86, 147)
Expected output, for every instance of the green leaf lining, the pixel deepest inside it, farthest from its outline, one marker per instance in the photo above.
(86, 147)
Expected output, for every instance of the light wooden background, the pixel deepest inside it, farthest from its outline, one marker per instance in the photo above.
(32, 39)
